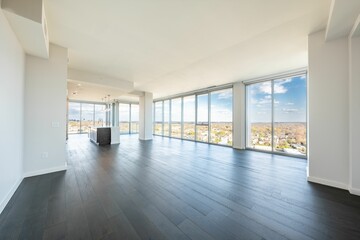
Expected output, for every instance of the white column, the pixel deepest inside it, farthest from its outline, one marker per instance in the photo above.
(115, 114)
(328, 101)
(239, 115)
(145, 116)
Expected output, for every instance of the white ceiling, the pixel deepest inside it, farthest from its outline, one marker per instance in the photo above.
(172, 46)
(84, 91)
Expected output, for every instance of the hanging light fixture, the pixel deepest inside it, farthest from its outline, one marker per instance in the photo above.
(107, 102)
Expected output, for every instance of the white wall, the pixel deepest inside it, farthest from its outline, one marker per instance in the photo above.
(328, 111)
(12, 59)
(45, 112)
(354, 99)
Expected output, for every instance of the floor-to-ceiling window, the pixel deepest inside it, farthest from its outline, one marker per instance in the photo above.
(259, 116)
(83, 116)
(221, 117)
(189, 117)
(87, 117)
(134, 118)
(124, 118)
(74, 117)
(276, 115)
(176, 116)
(128, 118)
(166, 124)
(203, 117)
(100, 115)
(158, 118)
(290, 115)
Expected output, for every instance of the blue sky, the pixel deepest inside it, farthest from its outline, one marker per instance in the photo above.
(289, 100)
(289, 104)
(221, 107)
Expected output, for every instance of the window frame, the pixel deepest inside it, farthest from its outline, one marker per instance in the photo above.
(272, 79)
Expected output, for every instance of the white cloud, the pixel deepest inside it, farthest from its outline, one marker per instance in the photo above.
(219, 114)
(253, 101)
(189, 100)
(225, 95)
(278, 86)
(290, 110)
(261, 113)
(264, 101)
(278, 89)
(289, 103)
(265, 87)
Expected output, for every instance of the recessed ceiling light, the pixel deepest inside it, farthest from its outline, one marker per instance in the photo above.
(79, 85)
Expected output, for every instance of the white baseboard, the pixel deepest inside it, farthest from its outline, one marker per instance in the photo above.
(45, 171)
(355, 191)
(328, 182)
(6, 200)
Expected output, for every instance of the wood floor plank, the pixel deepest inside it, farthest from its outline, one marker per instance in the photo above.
(55, 232)
(175, 189)
(193, 231)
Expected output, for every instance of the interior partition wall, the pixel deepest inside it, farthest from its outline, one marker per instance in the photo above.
(276, 111)
(203, 117)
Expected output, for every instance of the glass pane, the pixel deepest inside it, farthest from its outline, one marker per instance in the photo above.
(221, 117)
(290, 115)
(158, 118)
(202, 125)
(176, 118)
(166, 117)
(259, 119)
(87, 117)
(189, 117)
(134, 118)
(74, 118)
(124, 118)
(100, 115)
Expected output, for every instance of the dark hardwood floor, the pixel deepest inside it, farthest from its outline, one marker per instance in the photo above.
(173, 189)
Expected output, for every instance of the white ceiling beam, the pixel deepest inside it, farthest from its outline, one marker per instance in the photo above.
(355, 32)
(341, 20)
(28, 21)
(101, 80)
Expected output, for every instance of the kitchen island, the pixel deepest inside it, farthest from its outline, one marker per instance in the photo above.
(104, 135)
